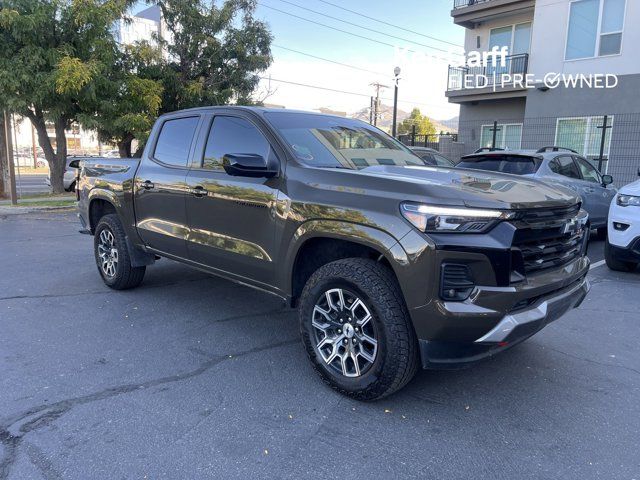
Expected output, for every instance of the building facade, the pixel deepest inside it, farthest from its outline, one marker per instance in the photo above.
(574, 38)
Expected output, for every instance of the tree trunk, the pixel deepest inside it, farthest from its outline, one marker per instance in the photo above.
(57, 159)
(124, 146)
(4, 167)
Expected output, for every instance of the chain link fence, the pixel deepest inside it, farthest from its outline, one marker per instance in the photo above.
(611, 142)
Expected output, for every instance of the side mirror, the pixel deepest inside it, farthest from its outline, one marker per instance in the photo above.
(607, 180)
(248, 165)
(74, 164)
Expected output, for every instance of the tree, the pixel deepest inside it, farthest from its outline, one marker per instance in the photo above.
(53, 58)
(214, 54)
(132, 104)
(423, 124)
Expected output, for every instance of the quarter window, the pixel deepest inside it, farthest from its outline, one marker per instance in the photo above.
(595, 28)
(566, 167)
(174, 141)
(233, 135)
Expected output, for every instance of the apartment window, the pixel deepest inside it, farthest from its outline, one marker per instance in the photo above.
(508, 136)
(583, 135)
(595, 28)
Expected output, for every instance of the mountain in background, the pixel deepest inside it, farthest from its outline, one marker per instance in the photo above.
(385, 119)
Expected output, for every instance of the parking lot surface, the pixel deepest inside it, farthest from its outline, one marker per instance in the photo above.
(192, 376)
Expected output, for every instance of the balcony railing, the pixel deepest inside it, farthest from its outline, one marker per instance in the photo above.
(466, 3)
(473, 78)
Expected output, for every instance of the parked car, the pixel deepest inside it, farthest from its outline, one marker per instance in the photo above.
(70, 173)
(555, 165)
(432, 157)
(622, 248)
(391, 264)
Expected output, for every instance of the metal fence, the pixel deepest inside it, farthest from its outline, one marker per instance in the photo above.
(429, 141)
(611, 142)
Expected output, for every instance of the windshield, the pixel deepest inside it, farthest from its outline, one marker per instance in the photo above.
(325, 141)
(513, 164)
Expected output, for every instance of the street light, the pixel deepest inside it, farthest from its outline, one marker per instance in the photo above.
(396, 72)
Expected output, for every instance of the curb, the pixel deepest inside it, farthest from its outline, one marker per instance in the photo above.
(22, 210)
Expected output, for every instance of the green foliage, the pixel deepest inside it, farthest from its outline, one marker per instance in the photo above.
(54, 55)
(423, 124)
(215, 53)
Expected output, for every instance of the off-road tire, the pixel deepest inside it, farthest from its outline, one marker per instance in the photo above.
(397, 358)
(125, 275)
(615, 264)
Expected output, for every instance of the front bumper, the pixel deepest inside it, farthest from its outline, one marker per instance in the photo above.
(630, 253)
(512, 329)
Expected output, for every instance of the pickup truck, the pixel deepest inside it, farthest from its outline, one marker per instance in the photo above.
(392, 264)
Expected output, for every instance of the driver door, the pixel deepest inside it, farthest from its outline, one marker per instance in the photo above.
(599, 196)
(232, 219)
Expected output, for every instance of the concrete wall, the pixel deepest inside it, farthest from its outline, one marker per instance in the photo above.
(625, 98)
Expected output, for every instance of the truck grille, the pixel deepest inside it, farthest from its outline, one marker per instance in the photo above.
(544, 239)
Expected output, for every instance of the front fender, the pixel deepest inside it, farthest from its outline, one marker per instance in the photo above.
(379, 240)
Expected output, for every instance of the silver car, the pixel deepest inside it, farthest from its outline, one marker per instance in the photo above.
(69, 179)
(553, 165)
(432, 157)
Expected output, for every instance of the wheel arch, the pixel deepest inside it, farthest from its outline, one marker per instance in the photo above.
(319, 242)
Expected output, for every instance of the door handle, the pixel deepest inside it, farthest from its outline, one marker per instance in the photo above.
(147, 185)
(199, 191)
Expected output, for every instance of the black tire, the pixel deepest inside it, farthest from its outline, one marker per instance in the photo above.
(601, 233)
(396, 358)
(615, 264)
(124, 275)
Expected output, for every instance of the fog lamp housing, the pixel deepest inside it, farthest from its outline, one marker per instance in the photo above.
(456, 282)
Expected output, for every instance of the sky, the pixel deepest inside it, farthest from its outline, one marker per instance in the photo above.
(422, 79)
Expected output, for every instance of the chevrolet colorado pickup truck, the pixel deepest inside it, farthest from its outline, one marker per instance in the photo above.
(392, 264)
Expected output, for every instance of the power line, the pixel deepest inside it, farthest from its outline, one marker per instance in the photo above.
(389, 24)
(346, 31)
(335, 90)
(330, 61)
(361, 26)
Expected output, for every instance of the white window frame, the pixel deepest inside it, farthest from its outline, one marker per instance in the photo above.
(598, 33)
(503, 132)
(513, 34)
(585, 143)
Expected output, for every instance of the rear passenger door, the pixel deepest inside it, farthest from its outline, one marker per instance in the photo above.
(160, 186)
(600, 196)
(232, 219)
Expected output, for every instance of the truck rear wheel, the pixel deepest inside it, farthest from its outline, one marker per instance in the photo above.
(112, 256)
(356, 329)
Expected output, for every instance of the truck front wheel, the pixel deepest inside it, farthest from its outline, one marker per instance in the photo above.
(112, 256)
(356, 329)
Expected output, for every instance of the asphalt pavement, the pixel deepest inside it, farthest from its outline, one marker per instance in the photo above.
(191, 376)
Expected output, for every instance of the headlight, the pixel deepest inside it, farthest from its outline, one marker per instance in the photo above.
(628, 200)
(428, 218)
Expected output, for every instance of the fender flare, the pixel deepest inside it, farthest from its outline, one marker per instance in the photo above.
(371, 237)
(138, 256)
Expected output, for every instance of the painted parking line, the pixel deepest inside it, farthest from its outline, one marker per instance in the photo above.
(596, 264)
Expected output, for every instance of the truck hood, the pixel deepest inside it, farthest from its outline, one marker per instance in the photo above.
(477, 189)
(631, 189)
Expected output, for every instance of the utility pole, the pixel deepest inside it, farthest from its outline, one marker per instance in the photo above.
(396, 73)
(7, 153)
(376, 111)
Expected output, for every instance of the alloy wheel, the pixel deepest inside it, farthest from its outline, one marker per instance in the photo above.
(344, 332)
(108, 253)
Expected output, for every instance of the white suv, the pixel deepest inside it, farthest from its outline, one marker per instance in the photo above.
(622, 249)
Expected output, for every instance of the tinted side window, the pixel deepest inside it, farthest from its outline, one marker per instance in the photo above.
(566, 167)
(589, 173)
(174, 141)
(442, 161)
(233, 135)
